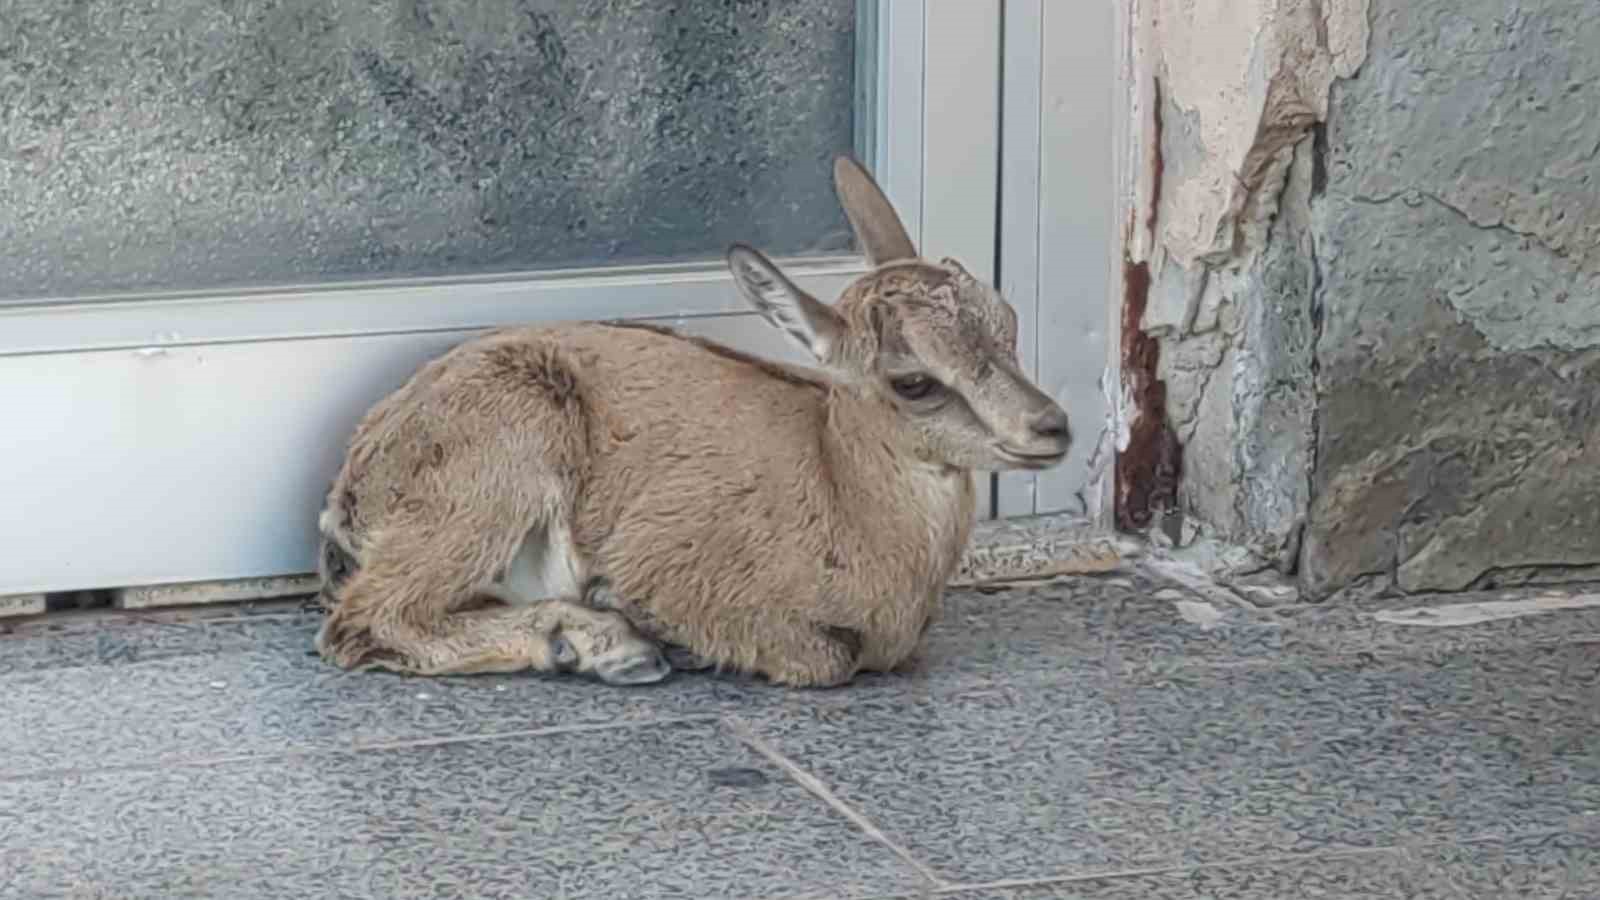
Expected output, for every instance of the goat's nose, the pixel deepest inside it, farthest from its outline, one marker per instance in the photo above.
(1051, 424)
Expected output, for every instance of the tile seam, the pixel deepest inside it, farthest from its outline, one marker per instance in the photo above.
(1399, 849)
(746, 734)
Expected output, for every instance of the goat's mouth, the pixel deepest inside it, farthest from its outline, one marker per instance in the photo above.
(1030, 460)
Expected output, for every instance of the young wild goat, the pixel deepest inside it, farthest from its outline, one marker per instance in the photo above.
(563, 498)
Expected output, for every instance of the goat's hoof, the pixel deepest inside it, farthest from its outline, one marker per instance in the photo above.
(633, 667)
(562, 654)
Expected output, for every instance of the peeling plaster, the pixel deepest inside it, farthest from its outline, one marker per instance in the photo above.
(1253, 76)
(1150, 465)
(1231, 92)
(1372, 283)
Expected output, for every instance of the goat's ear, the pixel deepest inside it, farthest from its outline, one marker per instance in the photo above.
(878, 229)
(810, 322)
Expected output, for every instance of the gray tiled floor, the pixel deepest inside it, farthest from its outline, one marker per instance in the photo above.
(681, 808)
(1081, 740)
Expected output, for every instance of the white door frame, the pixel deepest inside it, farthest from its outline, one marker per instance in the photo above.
(1060, 202)
(168, 439)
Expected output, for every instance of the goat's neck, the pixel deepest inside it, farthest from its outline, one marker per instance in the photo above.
(883, 491)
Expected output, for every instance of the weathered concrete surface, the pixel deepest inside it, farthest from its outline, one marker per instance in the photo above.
(21, 605)
(1040, 547)
(1240, 385)
(1247, 79)
(1240, 86)
(1380, 338)
(202, 593)
(1458, 242)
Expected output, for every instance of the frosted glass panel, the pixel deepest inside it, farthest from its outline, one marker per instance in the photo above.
(199, 144)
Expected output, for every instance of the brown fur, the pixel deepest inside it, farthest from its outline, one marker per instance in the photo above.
(801, 525)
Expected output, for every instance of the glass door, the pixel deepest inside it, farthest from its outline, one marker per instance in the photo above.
(230, 228)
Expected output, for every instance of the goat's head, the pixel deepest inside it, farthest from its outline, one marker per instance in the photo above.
(933, 343)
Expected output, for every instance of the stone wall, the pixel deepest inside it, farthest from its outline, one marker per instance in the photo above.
(1458, 244)
(1375, 239)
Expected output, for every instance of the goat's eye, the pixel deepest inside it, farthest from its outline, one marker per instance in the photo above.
(914, 387)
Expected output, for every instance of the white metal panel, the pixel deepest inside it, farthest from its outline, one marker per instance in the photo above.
(961, 144)
(136, 467)
(1077, 231)
(1021, 70)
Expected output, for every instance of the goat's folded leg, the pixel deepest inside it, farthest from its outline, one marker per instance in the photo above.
(547, 636)
(601, 596)
(783, 648)
(809, 656)
(682, 659)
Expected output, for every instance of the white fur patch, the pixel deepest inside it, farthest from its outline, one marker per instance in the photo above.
(546, 567)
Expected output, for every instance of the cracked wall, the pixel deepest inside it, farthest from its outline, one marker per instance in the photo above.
(1375, 257)
(1236, 89)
